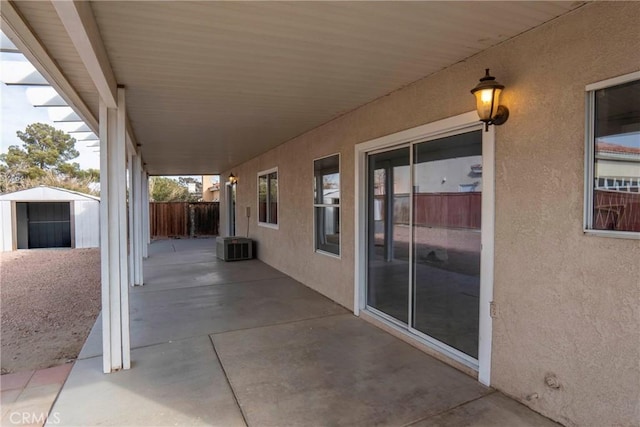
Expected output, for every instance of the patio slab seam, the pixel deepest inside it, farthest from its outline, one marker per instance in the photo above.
(211, 334)
(490, 391)
(226, 376)
(158, 258)
(288, 322)
(206, 286)
(149, 262)
(194, 392)
(53, 404)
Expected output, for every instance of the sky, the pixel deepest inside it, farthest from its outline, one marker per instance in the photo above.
(17, 113)
(631, 139)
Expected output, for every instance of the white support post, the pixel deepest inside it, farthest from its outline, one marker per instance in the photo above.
(122, 214)
(130, 219)
(146, 217)
(115, 265)
(113, 238)
(105, 236)
(136, 181)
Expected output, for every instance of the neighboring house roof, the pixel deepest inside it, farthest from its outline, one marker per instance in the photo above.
(46, 193)
(606, 147)
(617, 152)
(214, 187)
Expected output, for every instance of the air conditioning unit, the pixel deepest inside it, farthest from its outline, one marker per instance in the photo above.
(234, 248)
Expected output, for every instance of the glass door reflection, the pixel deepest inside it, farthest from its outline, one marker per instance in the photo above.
(447, 176)
(388, 233)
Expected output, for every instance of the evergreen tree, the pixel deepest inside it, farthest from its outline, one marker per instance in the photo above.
(44, 158)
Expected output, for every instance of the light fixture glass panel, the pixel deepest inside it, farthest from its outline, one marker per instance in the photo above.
(484, 103)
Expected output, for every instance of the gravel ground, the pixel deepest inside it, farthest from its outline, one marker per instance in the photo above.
(49, 301)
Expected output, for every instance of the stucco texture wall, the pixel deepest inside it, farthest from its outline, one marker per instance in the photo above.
(569, 304)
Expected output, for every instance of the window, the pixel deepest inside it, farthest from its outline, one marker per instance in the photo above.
(326, 204)
(613, 157)
(268, 198)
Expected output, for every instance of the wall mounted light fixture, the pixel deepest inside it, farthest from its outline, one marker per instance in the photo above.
(232, 179)
(487, 94)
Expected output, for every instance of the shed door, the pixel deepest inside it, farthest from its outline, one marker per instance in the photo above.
(49, 225)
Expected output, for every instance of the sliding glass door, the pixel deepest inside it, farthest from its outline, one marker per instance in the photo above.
(424, 234)
(447, 197)
(389, 232)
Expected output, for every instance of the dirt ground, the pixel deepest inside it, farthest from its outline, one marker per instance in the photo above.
(49, 301)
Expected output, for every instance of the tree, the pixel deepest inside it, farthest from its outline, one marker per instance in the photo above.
(196, 195)
(44, 148)
(163, 189)
(43, 159)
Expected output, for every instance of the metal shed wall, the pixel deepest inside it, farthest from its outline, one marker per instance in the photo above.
(6, 219)
(85, 215)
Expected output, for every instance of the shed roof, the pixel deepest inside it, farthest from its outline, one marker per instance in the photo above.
(45, 193)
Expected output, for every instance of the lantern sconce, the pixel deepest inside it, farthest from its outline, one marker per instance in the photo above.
(487, 94)
(232, 179)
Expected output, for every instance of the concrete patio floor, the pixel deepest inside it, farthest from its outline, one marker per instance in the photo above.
(235, 344)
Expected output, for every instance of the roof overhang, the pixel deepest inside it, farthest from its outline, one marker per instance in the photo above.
(210, 85)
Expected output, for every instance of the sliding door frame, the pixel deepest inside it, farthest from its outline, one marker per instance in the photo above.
(447, 127)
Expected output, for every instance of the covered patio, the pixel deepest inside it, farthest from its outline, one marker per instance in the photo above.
(276, 98)
(232, 344)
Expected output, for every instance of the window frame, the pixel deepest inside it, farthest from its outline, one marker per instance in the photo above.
(589, 156)
(266, 173)
(321, 205)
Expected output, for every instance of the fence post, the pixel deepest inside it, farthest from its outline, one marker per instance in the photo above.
(192, 228)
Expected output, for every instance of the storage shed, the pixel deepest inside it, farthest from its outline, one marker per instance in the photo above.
(49, 217)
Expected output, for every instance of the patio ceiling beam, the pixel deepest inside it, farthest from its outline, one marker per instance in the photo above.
(77, 18)
(82, 28)
(16, 29)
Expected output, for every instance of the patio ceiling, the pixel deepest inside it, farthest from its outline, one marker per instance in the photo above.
(213, 84)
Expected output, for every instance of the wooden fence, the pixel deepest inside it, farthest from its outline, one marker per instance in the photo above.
(183, 219)
(613, 210)
(616, 210)
(450, 210)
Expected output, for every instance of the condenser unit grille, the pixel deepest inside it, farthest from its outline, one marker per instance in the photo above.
(238, 251)
(234, 248)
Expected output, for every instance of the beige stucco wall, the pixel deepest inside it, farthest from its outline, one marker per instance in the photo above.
(569, 304)
(208, 181)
